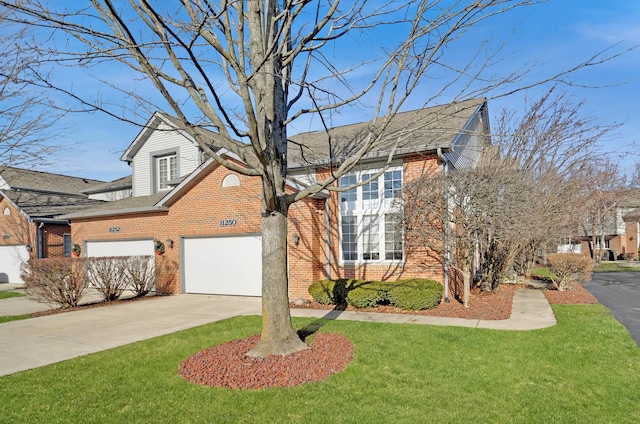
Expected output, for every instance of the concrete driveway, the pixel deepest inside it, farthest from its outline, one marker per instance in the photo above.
(36, 342)
(620, 292)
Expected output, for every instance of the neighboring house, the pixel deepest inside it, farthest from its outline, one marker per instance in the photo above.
(618, 231)
(30, 202)
(207, 218)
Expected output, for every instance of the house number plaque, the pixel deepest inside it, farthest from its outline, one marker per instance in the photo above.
(228, 222)
(114, 229)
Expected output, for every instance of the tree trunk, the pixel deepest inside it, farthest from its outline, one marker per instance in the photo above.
(278, 335)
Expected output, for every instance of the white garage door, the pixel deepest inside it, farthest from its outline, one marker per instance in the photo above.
(223, 265)
(119, 248)
(11, 260)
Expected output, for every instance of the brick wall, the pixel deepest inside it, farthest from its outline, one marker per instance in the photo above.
(198, 211)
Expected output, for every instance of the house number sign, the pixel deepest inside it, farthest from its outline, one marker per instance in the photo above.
(228, 222)
(114, 229)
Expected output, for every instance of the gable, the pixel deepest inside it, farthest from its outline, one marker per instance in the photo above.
(163, 140)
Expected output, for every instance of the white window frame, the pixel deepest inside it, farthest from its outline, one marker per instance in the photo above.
(374, 208)
(162, 185)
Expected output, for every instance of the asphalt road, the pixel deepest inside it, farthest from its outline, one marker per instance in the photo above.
(620, 292)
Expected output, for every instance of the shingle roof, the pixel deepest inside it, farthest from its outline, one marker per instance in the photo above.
(39, 204)
(127, 205)
(119, 184)
(43, 194)
(44, 181)
(409, 132)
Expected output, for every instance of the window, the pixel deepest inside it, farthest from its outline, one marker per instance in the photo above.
(370, 222)
(66, 245)
(166, 171)
(349, 242)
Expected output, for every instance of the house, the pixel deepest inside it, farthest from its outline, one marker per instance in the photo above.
(30, 202)
(618, 229)
(205, 219)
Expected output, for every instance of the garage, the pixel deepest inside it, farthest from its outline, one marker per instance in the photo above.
(223, 265)
(11, 260)
(119, 248)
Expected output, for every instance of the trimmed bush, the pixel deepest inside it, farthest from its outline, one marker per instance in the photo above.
(367, 294)
(416, 294)
(569, 267)
(332, 292)
(55, 281)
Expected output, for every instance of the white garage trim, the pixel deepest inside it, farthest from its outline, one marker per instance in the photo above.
(119, 248)
(11, 260)
(226, 265)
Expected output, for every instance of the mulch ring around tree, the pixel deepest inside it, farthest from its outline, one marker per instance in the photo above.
(226, 365)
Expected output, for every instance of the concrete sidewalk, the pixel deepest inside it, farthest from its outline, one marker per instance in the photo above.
(41, 341)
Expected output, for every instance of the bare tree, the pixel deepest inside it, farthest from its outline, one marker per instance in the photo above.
(544, 153)
(248, 70)
(519, 200)
(604, 188)
(27, 124)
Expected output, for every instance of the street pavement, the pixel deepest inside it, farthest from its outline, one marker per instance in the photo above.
(620, 293)
(36, 342)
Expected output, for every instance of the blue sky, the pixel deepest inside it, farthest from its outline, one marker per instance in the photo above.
(551, 36)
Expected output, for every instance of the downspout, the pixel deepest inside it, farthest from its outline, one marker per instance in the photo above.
(327, 242)
(39, 241)
(447, 247)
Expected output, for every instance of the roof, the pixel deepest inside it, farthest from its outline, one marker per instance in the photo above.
(16, 178)
(408, 132)
(37, 204)
(45, 195)
(128, 205)
(119, 184)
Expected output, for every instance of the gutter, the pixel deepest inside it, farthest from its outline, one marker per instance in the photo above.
(328, 240)
(129, 211)
(447, 246)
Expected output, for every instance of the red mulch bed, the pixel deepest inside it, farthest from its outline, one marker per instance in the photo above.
(226, 364)
(576, 295)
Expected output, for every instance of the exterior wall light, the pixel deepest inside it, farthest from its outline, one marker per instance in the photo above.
(296, 239)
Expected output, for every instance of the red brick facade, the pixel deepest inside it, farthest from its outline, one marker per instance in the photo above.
(198, 210)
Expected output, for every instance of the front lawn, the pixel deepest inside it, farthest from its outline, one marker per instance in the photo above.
(13, 318)
(585, 369)
(8, 294)
(615, 267)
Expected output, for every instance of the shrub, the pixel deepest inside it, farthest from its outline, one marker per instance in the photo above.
(322, 292)
(107, 275)
(166, 271)
(569, 267)
(416, 294)
(331, 292)
(140, 274)
(56, 281)
(367, 294)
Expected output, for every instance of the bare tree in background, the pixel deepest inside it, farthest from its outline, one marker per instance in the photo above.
(524, 194)
(248, 70)
(27, 123)
(545, 153)
(604, 188)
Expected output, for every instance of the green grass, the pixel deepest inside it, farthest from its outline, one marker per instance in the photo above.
(543, 273)
(586, 369)
(8, 294)
(13, 318)
(615, 267)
